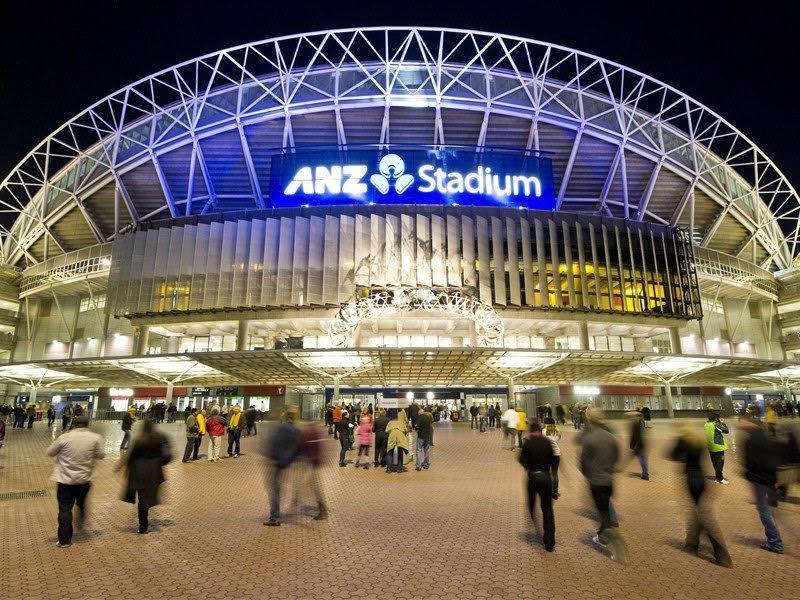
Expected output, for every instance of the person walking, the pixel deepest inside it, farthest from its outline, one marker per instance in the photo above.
(482, 411)
(31, 413)
(201, 431)
(215, 426)
(282, 450)
(235, 424)
(192, 431)
(397, 441)
(637, 442)
(342, 433)
(424, 437)
(329, 418)
(381, 438)
(51, 416)
(522, 425)
(598, 461)
(337, 417)
(250, 416)
(75, 452)
(364, 438)
(127, 424)
(553, 435)
(687, 450)
(312, 438)
(473, 411)
(509, 421)
(762, 457)
(66, 414)
(537, 457)
(715, 429)
(145, 471)
(647, 415)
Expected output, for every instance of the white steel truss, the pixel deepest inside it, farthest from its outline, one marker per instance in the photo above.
(435, 68)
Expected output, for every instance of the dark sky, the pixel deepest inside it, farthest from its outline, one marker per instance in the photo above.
(739, 60)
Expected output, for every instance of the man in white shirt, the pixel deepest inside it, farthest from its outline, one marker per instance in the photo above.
(510, 419)
(75, 453)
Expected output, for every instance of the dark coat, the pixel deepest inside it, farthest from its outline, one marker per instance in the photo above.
(145, 470)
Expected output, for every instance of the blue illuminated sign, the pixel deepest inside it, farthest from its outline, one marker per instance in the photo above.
(411, 176)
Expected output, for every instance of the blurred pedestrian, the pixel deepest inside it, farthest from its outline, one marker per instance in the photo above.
(482, 417)
(762, 457)
(647, 415)
(473, 411)
(31, 414)
(715, 429)
(250, 416)
(397, 442)
(522, 425)
(598, 463)
(637, 442)
(127, 424)
(51, 416)
(537, 457)
(282, 451)
(688, 450)
(235, 426)
(424, 437)
(215, 426)
(192, 431)
(201, 431)
(329, 417)
(76, 452)
(66, 414)
(310, 449)
(364, 438)
(381, 438)
(145, 471)
(552, 433)
(343, 433)
(509, 421)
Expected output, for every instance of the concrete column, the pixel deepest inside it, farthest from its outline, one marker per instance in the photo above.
(583, 334)
(32, 390)
(142, 339)
(169, 394)
(473, 336)
(668, 396)
(512, 393)
(675, 340)
(335, 399)
(242, 335)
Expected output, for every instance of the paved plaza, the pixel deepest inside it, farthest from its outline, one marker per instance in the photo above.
(459, 530)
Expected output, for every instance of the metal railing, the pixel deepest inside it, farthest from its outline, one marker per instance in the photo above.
(718, 264)
(66, 267)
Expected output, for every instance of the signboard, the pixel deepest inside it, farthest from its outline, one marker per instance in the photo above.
(411, 176)
(201, 391)
(228, 390)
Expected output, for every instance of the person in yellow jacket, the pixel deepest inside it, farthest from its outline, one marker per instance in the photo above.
(201, 430)
(522, 425)
(235, 425)
(771, 418)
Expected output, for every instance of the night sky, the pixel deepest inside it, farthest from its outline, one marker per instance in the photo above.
(741, 61)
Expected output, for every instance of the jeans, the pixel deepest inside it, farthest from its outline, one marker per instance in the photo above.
(126, 439)
(519, 437)
(508, 434)
(197, 442)
(214, 443)
(718, 460)
(765, 499)
(67, 496)
(234, 438)
(539, 484)
(639, 453)
(601, 494)
(187, 452)
(473, 424)
(50, 421)
(344, 443)
(423, 449)
(275, 493)
(144, 522)
(380, 448)
(701, 520)
(554, 474)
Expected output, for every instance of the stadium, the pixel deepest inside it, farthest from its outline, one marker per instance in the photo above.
(367, 214)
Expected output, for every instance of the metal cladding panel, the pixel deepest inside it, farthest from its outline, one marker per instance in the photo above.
(174, 255)
(159, 300)
(148, 271)
(377, 251)
(423, 238)
(316, 252)
(484, 258)
(514, 290)
(255, 263)
(347, 286)
(392, 253)
(362, 251)
(225, 289)
(595, 267)
(300, 262)
(125, 290)
(468, 245)
(213, 259)
(240, 263)
(568, 262)
(408, 267)
(330, 262)
(453, 251)
(438, 251)
(584, 278)
(541, 261)
(199, 273)
(269, 287)
(285, 250)
(555, 261)
(527, 262)
(498, 262)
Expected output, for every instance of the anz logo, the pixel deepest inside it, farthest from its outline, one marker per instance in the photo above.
(349, 180)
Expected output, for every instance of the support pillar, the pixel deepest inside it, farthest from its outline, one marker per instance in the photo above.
(32, 390)
(675, 340)
(583, 334)
(668, 396)
(512, 393)
(242, 335)
(142, 339)
(335, 399)
(168, 399)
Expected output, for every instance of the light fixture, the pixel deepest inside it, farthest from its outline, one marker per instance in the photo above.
(429, 395)
(586, 390)
(410, 396)
(728, 391)
(55, 342)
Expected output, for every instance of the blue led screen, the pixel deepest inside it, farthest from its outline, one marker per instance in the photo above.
(411, 176)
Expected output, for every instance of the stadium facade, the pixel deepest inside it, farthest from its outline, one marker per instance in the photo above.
(368, 212)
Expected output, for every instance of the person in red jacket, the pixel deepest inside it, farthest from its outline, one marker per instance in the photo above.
(337, 417)
(215, 427)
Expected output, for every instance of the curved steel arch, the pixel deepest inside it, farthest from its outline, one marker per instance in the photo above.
(332, 70)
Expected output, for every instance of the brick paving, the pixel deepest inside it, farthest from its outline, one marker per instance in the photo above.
(459, 530)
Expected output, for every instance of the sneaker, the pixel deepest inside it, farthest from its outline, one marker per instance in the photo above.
(140, 530)
(418, 468)
(235, 456)
(426, 466)
(726, 562)
(723, 482)
(366, 467)
(768, 548)
(596, 539)
(64, 545)
(646, 477)
(321, 516)
(272, 522)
